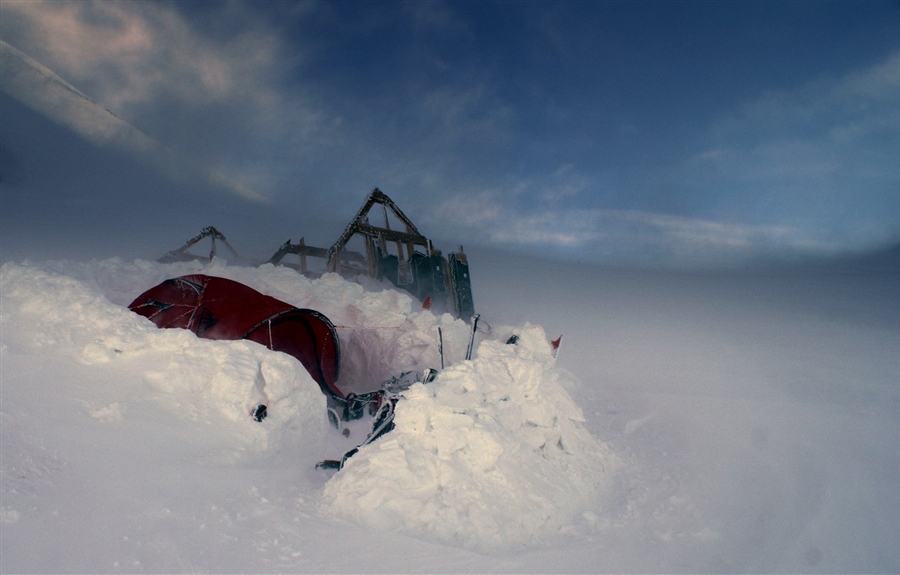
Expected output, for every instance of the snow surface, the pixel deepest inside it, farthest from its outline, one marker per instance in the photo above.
(491, 454)
(693, 422)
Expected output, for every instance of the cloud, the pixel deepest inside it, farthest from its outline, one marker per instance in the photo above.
(807, 170)
(130, 54)
(627, 235)
(42, 90)
(865, 97)
(311, 105)
(211, 86)
(820, 157)
(433, 17)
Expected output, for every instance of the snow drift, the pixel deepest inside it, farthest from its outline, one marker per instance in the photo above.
(188, 377)
(492, 453)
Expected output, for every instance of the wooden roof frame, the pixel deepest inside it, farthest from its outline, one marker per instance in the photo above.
(377, 236)
(183, 255)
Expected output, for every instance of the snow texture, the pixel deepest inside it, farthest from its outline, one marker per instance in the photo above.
(491, 454)
(718, 422)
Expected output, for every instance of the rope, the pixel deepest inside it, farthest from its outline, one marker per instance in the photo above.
(371, 327)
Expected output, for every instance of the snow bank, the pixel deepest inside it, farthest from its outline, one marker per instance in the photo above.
(382, 331)
(491, 454)
(756, 414)
(192, 378)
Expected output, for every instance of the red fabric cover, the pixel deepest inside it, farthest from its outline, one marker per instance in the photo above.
(219, 308)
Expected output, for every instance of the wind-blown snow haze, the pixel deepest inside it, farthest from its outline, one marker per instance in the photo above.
(692, 422)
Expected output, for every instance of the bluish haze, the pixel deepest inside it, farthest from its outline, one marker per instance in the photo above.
(673, 133)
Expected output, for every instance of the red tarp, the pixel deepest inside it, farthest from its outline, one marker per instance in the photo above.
(219, 308)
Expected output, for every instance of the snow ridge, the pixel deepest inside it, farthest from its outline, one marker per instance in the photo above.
(491, 454)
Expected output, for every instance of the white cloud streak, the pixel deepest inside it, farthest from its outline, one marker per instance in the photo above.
(39, 88)
(133, 53)
(214, 92)
(822, 157)
(636, 235)
(792, 172)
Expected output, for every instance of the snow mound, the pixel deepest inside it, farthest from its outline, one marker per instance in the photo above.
(77, 311)
(491, 454)
(190, 378)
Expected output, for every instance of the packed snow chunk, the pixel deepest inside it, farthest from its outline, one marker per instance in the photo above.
(491, 454)
(237, 376)
(193, 378)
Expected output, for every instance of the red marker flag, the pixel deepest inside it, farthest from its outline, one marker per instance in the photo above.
(555, 345)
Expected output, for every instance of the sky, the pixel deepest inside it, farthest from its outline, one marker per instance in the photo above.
(660, 133)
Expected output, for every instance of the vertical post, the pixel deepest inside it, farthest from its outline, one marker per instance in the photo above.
(335, 264)
(371, 258)
(472, 338)
(387, 223)
(303, 256)
(212, 250)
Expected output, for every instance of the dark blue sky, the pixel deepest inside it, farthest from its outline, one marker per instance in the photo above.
(669, 132)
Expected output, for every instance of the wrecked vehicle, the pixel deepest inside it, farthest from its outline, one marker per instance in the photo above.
(223, 309)
(183, 255)
(398, 253)
(219, 308)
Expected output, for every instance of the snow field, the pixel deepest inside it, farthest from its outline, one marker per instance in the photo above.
(755, 415)
(491, 454)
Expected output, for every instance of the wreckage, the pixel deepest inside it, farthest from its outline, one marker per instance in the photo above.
(223, 309)
(182, 254)
(415, 267)
(404, 257)
(219, 308)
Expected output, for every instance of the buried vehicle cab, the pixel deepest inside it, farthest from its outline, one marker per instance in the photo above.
(219, 308)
